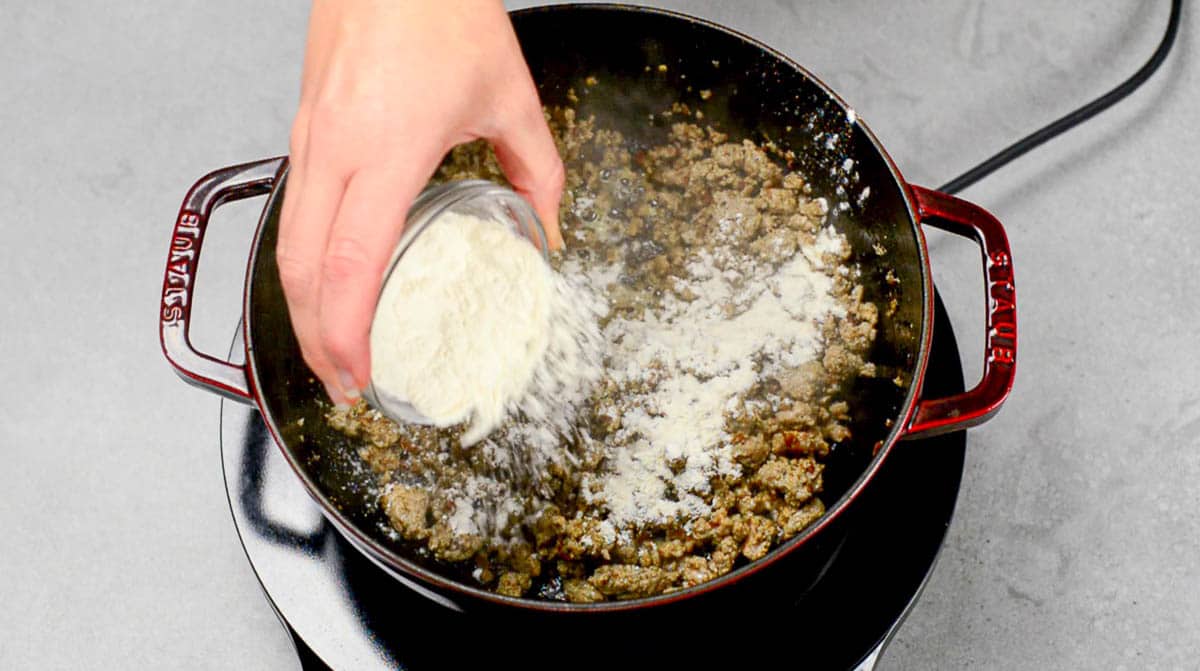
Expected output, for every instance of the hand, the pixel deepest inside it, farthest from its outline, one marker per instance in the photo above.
(388, 88)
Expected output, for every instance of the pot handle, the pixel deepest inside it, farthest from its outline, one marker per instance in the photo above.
(221, 186)
(979, 404)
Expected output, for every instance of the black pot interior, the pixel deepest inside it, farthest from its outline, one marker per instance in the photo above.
(756, 94)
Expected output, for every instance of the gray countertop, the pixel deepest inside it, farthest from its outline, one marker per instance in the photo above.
(1075, 543)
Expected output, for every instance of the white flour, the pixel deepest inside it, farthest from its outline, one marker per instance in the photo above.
(696, 362)
(474, 324)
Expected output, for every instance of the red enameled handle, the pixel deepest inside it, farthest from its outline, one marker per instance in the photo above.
(222, 186)
(977, 405)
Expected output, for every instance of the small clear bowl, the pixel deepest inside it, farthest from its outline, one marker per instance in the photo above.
(483, 199)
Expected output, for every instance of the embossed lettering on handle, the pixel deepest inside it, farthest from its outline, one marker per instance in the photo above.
(179, 278)
(181, 267)
(977, 405)
(1002, 312)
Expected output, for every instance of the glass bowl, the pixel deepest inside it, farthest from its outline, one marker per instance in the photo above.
(488, 201)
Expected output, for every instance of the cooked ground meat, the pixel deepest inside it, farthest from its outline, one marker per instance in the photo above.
(512, 583)
(407, 509)
(581, 591)
(624, 581)
(650, 211)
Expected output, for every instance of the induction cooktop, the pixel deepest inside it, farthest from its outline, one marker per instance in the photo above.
(343, 612)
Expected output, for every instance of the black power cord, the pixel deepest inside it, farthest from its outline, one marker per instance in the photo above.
(1076, 117)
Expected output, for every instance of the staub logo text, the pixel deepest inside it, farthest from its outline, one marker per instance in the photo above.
(180, 267)
(1003, 327)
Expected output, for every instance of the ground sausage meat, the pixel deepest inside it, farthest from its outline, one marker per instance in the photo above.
(649, 210)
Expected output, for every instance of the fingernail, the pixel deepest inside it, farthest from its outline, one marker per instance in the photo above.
(349, 386)
(336, 397)
(341, 407)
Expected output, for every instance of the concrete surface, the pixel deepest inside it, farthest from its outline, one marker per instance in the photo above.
(1075, 542)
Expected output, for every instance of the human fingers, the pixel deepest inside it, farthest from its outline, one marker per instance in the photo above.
(369, 222)
(311, 198)
(530, 160)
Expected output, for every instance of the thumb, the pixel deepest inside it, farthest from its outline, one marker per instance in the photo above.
(526, 152)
